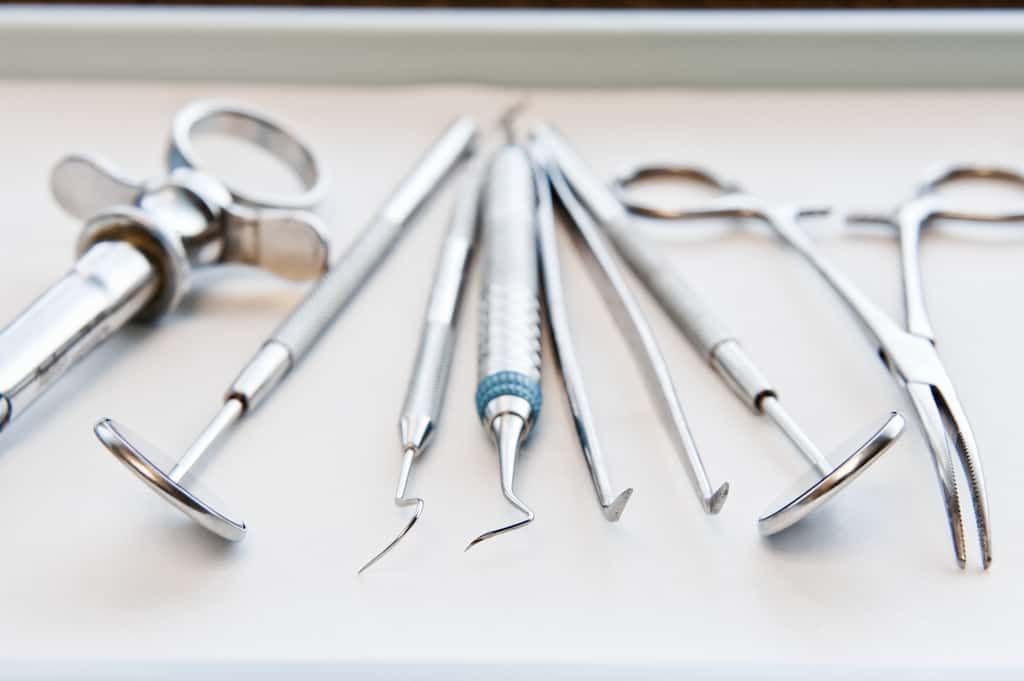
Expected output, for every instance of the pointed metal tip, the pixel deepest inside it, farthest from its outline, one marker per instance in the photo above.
(613, 511)
(101, 426)
(405, 530)
(508, 430)
(502, 530)
(714, 503)
(508, 118)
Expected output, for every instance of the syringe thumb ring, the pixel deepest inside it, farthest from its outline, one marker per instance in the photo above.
(508, 384)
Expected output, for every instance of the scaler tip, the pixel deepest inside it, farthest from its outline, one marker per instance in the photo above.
(401, 501)
(613, 511)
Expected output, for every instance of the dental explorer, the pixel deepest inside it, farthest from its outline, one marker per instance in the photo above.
(508, 396)
(142, 241)
(633, 324)
(421, 411)
(295, 336)
(612, 504)
(718, 346)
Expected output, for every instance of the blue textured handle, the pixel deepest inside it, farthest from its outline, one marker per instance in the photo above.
(510, 383)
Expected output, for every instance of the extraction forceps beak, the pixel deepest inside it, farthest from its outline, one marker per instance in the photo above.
(508, 430)
(947, 431)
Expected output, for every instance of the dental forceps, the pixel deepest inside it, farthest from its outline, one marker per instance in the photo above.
(142, 241)
(943, 419)
(909, 353)
(290, 341)
(709, 337)
(612, 504)
(424, 400)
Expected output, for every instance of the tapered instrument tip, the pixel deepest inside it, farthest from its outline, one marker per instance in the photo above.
(613, 511)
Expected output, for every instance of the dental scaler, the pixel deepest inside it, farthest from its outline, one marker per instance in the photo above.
(508, 397)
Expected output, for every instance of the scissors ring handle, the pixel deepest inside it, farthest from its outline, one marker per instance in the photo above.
(659, 171)
(227, 118)
(937, 176)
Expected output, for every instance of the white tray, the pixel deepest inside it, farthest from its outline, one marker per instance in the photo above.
(101, 581)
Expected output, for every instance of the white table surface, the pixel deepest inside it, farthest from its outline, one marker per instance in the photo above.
(100, 578)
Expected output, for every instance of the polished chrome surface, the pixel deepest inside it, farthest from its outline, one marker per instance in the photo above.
(912, 357)
(509, 302)
(321, 305)
(424, 400)
(402, 501)
(739, 372)
(687, 309)
(563, 168)
(772, 408)
(123, 445)
(508, 431)
(826, 482)
(261, 374)
(136, 252)
(110, 284)
(909, 353)
(239, 121)
(509, 308)
(459, 139)
(229, 413)
(612, 503)
(329, 296)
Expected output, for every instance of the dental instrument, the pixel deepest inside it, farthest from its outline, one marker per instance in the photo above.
(633, 324)
(290, 341)
(508, 396)
(612, 504)
(142, 241)
(909, 354)
(706, 334)
(424, 400)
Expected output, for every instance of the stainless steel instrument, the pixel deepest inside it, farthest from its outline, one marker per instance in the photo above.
(612, 503)
(421, 411)
(142, 241)
(292, 339)
(709, 337)
(508, 396)
(633, 324)
(909, 354)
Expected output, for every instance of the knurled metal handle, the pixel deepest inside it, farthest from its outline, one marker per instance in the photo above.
(509, 359)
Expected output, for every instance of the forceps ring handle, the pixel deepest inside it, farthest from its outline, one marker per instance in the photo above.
(655, 171)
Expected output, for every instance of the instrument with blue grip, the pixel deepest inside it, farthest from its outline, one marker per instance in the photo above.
(508, 396)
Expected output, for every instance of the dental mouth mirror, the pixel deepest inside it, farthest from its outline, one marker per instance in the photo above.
(290, 342)
(731, 362)
(707, 335)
